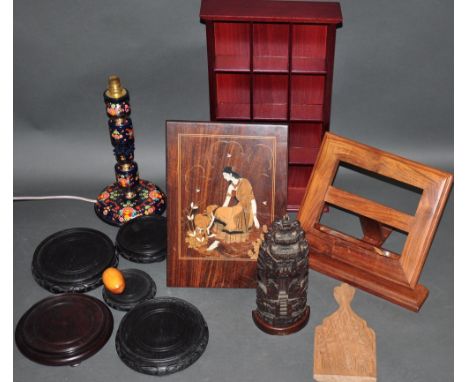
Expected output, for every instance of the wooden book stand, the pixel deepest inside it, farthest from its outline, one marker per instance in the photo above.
(364, 263)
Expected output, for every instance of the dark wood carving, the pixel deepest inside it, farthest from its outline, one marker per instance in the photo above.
(363, 262)
(273, 61)
(139, 287)
(282, 272)
(73, 260)
(161, 336)
(226, 184)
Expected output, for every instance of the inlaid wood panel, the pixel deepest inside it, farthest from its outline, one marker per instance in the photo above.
(226, 183)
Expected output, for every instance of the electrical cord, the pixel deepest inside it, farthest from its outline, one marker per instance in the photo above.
(49, 197)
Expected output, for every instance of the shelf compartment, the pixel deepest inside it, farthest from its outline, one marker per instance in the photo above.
(306, 112)
(307, 94)
(233, 96)
(309, 65)
(270, 47)
(309, 49)
(270, 97)
(232, 46)
(295, 195)
(232, 64)
(304, 142)
(303, 155)
(298, 177)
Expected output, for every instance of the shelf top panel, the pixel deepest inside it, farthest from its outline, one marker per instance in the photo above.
(271, 11)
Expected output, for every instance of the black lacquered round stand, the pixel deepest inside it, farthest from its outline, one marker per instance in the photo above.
(139, 287)
(143, 240)
(161, 336)
(73, 260)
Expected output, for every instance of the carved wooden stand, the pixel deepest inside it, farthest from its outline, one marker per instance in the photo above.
(344, 346)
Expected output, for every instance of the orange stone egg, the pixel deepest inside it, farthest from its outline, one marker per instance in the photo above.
(113, 280)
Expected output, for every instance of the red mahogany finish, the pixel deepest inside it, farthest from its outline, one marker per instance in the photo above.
(271, 11)
(272, 61)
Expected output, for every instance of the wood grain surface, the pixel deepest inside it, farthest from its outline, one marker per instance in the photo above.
(271, 11)
(364, 263)
(197, 153)
(344, 346)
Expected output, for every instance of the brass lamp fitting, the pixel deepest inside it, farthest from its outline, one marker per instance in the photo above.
(114, 88)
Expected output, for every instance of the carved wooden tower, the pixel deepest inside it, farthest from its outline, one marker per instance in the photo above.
(282, 273)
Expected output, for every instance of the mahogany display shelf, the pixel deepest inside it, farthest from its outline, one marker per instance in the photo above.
(273, 61)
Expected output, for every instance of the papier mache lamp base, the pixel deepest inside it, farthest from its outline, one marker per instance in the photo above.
(114, 208)
(129, 197)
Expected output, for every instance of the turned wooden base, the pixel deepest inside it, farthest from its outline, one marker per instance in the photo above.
(268, 328)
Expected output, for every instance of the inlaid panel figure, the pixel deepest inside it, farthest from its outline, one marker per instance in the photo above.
(239, 211)
(232, 222)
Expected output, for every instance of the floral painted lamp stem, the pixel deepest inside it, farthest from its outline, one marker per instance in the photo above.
(130, 196)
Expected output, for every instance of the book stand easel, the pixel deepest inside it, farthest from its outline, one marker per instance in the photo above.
(363, 262)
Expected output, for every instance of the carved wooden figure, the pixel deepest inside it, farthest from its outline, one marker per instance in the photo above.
(344, 346)
(282, 274)
(364, 262)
